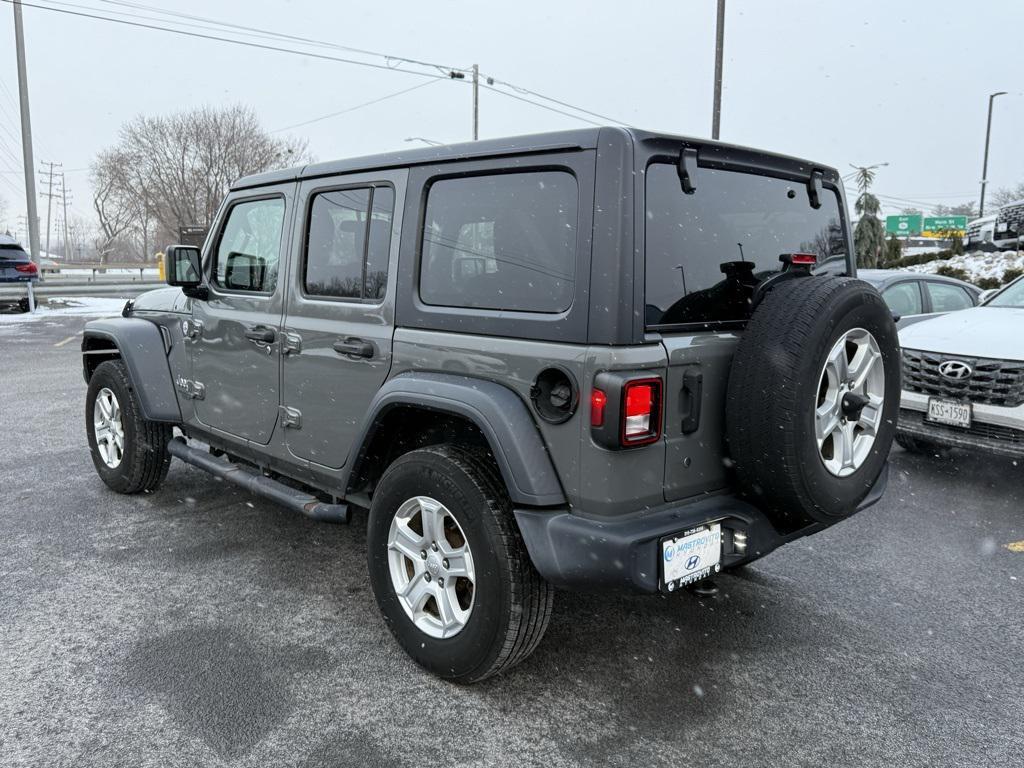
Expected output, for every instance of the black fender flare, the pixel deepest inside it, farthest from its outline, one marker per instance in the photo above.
(142, 347)
(498, 412)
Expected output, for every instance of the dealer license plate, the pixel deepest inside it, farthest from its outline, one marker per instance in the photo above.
(692, 556)
(948, 412)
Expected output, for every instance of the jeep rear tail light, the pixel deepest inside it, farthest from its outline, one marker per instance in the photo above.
(626, 409)
(641, 412)
(29, 269)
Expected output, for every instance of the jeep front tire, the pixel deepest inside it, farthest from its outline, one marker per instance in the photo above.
(449, 568)
(129, 452)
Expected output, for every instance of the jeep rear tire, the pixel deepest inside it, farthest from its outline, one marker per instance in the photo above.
(448, 566)
(813, 399)
(129, 452)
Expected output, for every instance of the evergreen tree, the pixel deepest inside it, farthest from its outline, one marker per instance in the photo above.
(893, 251)
(869, 236)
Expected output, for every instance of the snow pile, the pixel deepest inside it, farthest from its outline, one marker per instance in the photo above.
(977, 264)
(81, 306)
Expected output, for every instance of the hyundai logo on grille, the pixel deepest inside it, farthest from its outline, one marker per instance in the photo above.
(955, 369)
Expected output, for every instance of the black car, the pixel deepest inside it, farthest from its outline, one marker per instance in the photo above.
(16, 266)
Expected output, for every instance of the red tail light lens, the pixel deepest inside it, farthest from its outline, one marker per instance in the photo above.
(807, 259)
(598, 400)
(641, 413)
(28, 269)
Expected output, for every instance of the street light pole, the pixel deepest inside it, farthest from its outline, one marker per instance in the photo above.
(716, 114)
(984, 166)
(26, 147)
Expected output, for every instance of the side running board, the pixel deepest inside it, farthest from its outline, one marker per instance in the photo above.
(297, 501)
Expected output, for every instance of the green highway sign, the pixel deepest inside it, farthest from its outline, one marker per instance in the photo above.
(903, 226)
(939, 226)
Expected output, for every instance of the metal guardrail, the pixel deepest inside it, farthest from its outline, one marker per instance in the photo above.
(14, 291)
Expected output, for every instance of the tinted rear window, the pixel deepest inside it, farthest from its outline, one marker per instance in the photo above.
(12, 252)
(706, 251)
(501, 242)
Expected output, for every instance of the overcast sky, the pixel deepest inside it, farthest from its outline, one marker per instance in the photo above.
(836, 81)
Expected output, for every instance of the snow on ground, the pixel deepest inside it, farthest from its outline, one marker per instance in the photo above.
(82, 306)
(977, 264)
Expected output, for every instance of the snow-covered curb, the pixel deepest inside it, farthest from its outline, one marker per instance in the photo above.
(977, 264)
(82, 306)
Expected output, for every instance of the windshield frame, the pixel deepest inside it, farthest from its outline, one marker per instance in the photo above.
(988, 302)
(714, 156)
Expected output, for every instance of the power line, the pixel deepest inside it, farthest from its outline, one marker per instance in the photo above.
(529, 101)
(521, 89)
(247, 30)
(355, 107)
(219, 39)
(280, 35)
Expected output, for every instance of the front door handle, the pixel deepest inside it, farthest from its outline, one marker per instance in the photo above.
(353, 346)
(261, 334)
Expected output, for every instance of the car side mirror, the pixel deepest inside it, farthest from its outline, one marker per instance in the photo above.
(182, 266)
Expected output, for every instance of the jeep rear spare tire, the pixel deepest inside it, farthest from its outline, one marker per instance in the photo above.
(813, 399)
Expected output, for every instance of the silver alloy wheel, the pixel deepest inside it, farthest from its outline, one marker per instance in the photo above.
(848, 409)
(431, 567)
(108, 428)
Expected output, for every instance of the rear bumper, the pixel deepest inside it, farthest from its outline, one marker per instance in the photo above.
(623, 554)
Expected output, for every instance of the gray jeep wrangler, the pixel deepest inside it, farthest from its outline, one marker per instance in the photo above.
(598, 359)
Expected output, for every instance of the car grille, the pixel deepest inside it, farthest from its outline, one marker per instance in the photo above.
(993, 382)
(915, 421)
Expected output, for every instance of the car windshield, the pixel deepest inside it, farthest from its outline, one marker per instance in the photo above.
(1012, 296)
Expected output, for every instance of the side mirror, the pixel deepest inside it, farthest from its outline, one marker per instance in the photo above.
(182, 267)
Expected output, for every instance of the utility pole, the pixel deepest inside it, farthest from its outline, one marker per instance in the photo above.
(48, 194)
(476, 102)
(64, 202)
(716, 115)
(26, 147)
(984, 166)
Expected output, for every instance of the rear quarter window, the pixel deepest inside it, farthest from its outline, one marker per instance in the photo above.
(502, 241)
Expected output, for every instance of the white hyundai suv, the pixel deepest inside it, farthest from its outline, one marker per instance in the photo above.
(963, 378)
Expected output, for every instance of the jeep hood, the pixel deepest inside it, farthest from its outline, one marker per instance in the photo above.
(162, 300)
(992, 332)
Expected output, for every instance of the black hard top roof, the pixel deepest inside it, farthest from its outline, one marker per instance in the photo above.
(585, 138)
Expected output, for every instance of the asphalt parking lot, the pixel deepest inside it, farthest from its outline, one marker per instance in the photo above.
(201, 626)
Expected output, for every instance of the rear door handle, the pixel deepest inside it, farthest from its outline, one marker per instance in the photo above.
(261, 334)
(353, 346)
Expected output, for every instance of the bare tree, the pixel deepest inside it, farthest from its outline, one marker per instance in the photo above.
(1005, 195)
(113, 200)
(176, 169)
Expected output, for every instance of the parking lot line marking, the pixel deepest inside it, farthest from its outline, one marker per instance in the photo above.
(69, 338)
(1016, 546)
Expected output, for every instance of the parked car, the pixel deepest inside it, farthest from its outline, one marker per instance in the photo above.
(1009, 225)
(16, 267)
(963, 379)
(980, 233)
(526, 358)
(914, 296)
